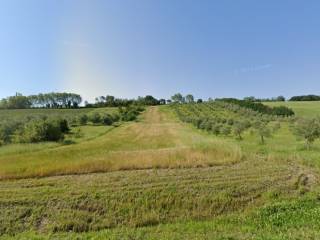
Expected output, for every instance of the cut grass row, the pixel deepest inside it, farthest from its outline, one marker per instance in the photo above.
(199, 186)
(254, 226)
(82, 203)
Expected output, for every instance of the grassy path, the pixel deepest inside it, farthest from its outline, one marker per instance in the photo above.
(158, 140)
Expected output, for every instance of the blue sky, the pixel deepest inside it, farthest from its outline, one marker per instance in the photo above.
(131, 48)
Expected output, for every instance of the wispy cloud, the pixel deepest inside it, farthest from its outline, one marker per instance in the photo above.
(253, 68)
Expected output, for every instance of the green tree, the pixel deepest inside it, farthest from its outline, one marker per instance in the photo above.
(308, 129)
(162, 101)
(262, 129)
(41, 130)
(177, 98)
(189, 98)
(239, 127)
(150, 100)
(107, 119)
(83, 119)
(110, 101)
(17, 102)
(281, 99)
(95, 118)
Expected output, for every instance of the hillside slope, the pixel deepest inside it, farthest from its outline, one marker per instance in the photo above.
(158, 140)
(178, 176)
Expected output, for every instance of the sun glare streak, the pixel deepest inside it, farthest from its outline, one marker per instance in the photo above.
(78, 56)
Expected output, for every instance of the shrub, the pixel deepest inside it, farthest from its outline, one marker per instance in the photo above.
(41, 130)
(115, 117)
(239, 127)
(64, 126)
(95, 118)
(226, 130)
(262, 129)
(53, 130)
(129, 116)
(107, 119)
(83, 119)
(230, 121)
(308, 129)
(129, 113)
(7, 130)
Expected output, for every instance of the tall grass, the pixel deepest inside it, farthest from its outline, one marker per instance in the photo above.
(157, 140)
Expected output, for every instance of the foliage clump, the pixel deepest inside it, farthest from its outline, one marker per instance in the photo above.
(224, 118)
(259, 107)
(43, 130)
(53, 127)
(307, 129)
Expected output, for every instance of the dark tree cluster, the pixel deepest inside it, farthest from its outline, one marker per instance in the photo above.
(111, 101)
(15, 102)
(46, 100)
(273, 99)
(305, 98)
(259, 107)
(179, 98)
(33, 130)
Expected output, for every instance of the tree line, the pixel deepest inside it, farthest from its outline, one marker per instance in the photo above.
(42, 100)
(111, 101)
(273, 99)
(310, 97)
(179, 98)
(259, 107)
(305, 98)
(72, 100)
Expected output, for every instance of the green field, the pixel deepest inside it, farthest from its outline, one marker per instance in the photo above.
(305, 109)
(162, 178)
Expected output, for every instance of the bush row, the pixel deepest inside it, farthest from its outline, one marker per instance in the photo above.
(39, 129)
(222, 118)
(123, 114)
(261, 108)
(35, 130)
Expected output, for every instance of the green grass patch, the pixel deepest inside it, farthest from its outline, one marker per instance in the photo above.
(302, 109)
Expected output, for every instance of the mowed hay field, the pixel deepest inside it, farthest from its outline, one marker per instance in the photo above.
(158, 178)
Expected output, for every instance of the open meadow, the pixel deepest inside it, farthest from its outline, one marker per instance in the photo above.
(159, 120)
(164, 176)
(301, 108)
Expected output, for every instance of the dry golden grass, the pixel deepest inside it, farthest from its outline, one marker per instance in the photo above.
(157, 140)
